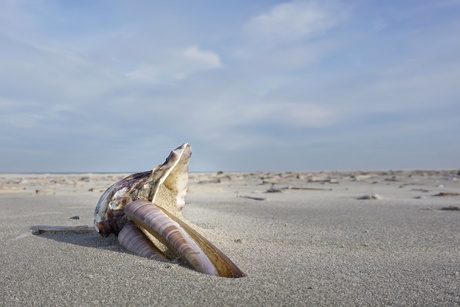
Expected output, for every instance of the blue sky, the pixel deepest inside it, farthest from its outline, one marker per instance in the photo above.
(252, 85)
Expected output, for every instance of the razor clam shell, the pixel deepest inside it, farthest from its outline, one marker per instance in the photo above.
(132, 239)
(181, 239)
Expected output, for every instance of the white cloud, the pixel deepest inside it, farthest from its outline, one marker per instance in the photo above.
(203, 59)
(292, 22)
(177, 65)
(147, 73)
(289, 36)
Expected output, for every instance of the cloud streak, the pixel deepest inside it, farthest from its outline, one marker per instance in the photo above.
(183, 63)
(293, 22)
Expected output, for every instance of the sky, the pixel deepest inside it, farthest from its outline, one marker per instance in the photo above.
(113, 86)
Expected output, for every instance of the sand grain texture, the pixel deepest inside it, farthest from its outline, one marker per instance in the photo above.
(315, 243)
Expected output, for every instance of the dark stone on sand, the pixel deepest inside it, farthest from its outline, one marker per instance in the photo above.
(450, 208)
(44, 192)
(447, 194)
(213, 180)
(276, 190)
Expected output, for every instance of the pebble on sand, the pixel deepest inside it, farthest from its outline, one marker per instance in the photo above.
(44, 192)
(370, 196)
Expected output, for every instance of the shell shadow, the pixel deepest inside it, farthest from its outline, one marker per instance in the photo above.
(90, 239)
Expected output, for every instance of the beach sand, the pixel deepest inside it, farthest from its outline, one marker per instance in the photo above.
(316, 239)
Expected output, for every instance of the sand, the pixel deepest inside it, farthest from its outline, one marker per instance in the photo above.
(316, 239)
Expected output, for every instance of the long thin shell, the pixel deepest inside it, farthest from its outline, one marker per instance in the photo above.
(132, 239)
(181, 239)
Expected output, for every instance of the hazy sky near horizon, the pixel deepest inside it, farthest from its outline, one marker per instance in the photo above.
(252, 85)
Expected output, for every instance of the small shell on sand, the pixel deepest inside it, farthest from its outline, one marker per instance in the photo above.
(370, 196)
(44, 192)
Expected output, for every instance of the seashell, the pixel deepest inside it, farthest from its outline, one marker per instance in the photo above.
(370, 196)
(44, 192)
(144, 211)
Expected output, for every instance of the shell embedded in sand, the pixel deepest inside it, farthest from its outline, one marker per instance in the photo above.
(144, 209)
